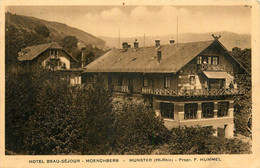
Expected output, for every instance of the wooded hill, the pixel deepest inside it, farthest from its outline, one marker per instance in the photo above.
(57, 30)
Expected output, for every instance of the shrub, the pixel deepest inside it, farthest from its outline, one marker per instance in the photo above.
(198, 140)
(189, 140)
(137, 130)
(46, 115)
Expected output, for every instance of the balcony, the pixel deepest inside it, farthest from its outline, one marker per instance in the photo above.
(192, 92)
(211, 67)
(123, 89)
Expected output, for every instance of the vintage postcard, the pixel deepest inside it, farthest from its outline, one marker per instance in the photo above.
(129, 84)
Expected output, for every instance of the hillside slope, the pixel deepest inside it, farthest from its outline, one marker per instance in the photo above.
(57, 30)
(229, 39)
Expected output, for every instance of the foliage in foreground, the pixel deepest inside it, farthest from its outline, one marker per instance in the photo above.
(199, 140)
(243, 103)
(136, 128)
(45, 115)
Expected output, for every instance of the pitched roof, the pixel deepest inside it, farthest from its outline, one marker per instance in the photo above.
(144, 59)
(31, 52)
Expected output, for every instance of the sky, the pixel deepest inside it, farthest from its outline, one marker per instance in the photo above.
(137, 20)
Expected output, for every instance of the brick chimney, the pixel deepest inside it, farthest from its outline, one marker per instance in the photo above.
(157, 43)
(83, 60)
(172, 41)
(136, 43)
(125, 46)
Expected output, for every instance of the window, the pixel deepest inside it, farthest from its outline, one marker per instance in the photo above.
(145, 81)
(54, 52)
(223, 109)
(167, 110)
(167, 82)
(120, 81)
(214, 60)
(204, 60)
(148, 81)
(183, 79)
(207, 110)
(209, 60)
(192, 82)
(190, 110)
(199, 59)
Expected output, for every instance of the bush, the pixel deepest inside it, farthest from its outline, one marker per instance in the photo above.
(137, 130)
(220, 145)
(46, 115)
(198, 140)
(189, 140)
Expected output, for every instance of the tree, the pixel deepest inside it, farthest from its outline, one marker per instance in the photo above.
(137, 130)
(243, 103)
(42, 30)
(69, 43)
(97, 132)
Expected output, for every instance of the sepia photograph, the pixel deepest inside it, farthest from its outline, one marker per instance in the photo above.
(128, 80)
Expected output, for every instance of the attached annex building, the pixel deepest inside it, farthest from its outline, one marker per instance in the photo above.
(190, 83)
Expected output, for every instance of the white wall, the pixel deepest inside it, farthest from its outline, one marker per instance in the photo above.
(66, 61)
(62, 59)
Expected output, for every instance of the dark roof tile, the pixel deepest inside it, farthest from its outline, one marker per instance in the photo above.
(144, 59)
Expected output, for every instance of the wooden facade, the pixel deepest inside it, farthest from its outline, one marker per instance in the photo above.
(199, 93)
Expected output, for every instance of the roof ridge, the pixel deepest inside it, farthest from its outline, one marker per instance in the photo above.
(169, 44)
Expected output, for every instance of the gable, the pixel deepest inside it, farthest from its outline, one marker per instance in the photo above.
(216, 49)
(32, 52)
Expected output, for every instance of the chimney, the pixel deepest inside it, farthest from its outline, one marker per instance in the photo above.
(159, 56)
(172, 41)
(125, 46)
(83, 61)
(157, 43)
(136, 44)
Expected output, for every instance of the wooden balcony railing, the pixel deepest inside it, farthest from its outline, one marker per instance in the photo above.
(123, 89)
(194, 92)
(211, 67)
